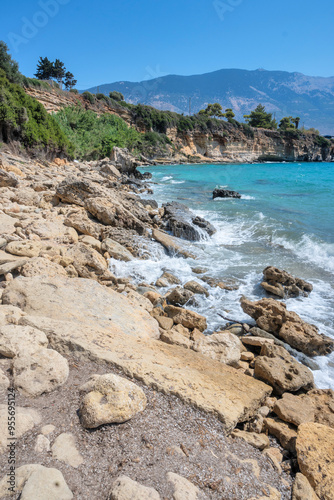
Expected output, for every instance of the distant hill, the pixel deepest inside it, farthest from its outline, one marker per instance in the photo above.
(283, 93)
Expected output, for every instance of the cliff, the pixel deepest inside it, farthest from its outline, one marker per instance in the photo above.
(223, 143)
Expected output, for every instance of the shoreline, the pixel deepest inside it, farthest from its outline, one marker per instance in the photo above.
(61, 225)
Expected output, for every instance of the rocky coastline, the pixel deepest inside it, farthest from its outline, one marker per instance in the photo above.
(119, 394)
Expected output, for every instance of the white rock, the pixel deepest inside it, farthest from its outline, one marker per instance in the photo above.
(15, 339)
(125, 488)
(25, 419)
(39, 371)
(64, 449)
(183, 489)
(46, 484)
(223, 347)
(42, 444)
(47, 429)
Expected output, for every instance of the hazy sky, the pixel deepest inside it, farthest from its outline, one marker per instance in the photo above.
(102, 42)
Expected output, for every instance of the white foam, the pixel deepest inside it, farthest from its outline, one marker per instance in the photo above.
(247, 197)
(177, 182)
(167, 178)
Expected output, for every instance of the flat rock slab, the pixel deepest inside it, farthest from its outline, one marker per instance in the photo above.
(82, 316)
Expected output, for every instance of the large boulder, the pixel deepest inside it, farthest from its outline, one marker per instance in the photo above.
(88, 262)
(15, 339)
(187, 318)
(225, 193)
(315, 454)
(279, 369)
(110, 399)
(170, 244)
(223, 347)
(283, 284)
(124, 161)
(84, 224)
(273, 317)
(116, 250)
(315, 406)
(179, 296)
(75, 191)
(183, 223)
(40, 266)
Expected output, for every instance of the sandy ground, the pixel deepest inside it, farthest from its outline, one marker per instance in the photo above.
(169, 436)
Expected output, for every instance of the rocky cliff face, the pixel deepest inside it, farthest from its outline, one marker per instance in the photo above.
(233, 144)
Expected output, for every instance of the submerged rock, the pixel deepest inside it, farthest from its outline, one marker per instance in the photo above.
(225, 193)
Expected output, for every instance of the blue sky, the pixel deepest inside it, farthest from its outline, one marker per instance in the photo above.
(102, 42)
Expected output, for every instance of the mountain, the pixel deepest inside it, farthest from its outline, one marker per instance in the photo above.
(283, 93)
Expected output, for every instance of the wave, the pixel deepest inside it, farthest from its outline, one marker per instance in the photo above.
(167, 178)
(247, 197)
(177, 182)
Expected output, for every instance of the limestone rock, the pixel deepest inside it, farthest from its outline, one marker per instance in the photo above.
(285, 433)
(88, 262)
(91, 242)
(39, 371)
(182, 222)
(110, 399)
(255, 341)
(15, 339)
(315, 406)
(187, 318)
(4, 381)
(125, 488)
(115, 250)
(25, 248)
(170, 278)
(7, 224)
(170, 243)
(179, 296)
(195, 287)
(25, 419)
(223, 347)
(64, 449)
(175, 338)
(42, 444)
(315, 454)
(84, 224)
(282, 284)
(272, 316)
(259, 441)
(183, 489)
(8, 179)
(46, 484)
(302, 490)
(52, 230)
(40, 266)
(138, 300)
(165, 323)
(282, 371)
(8, 267)
(75, 191)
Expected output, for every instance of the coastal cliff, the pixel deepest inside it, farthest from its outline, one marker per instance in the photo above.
(224, 143)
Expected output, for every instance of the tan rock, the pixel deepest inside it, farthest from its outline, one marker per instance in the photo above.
(178, 296)
(175, 338)
(88, 320)
(8, 267)
(152, 296)
(273, 317)
(259, 441)
(8, 179)
(138, 300)
(275, 457)
(282, 283)
(25, 248)
(88, 262)
(247, 356)
(223, 347)
(110, 399)
(91, 242)
(64, 449)
(21, 476)
(256, 341)
(42, 444)
(125, 488)
(46, 483)
(7, 224)
(75, 191)
(187, 318)
(15, 339)
(278, 368)
(25, 419)
(170, 243)
(40, 266)
(195, 287)
(83, 224)
(47, 429)
(39, 371)
(170, 278)
(4, 381)
(285, 433)
(302, 490)
(52, 230)
(183, 489)
(116, 250)
(315, 454)
(165, 323)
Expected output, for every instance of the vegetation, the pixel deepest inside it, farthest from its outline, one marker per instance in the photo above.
(8, 65)
(289, 123)
(261, 119)
(49, 70)
(116, 96)
(88, 97)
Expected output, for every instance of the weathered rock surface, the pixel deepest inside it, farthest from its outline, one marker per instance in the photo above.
(80, 221)
(76, 191)
(124, 161)
(283, 284)
(7, 224)
(40, 266)
(225, 193)
(25, 248)
(88, 262)
(302, 490)
(179, 296)
(46, 484)
(39, 371)
(110, 399)
(183, 489)
(125, 488)
(195, 287)
(276, 367)
(259, 441)
(315, 406)
(116, 250)
(64, 449)
(285, 433)
(170, 243)
(272, 316)
(8, 179)
(183, 224)
(15, 339)
(187, 318)
(223, 347)
(315, 454)
(25, 419)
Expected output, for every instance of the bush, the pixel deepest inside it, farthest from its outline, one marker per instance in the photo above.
(74, 91)
(322, 142)
(87, 96)
(116, 96)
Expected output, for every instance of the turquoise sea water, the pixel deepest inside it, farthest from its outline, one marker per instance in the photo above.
(284, 218)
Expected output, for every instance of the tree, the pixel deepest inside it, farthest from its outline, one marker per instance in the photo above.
(229, 114)
(59, 71)
(260, 118)
(69, 82)
(117, 96)
(287, 123)
(44, 69)
(296, 121)
(8, 65)
(212, 110)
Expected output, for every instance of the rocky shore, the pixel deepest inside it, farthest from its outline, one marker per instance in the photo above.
(119, 394)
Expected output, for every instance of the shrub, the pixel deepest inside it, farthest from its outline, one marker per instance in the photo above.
(322, 141)
(87, 96)
(74, 91)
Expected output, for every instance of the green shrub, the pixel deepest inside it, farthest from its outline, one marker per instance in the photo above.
(88, 97)
(74, 91)
(322, 141)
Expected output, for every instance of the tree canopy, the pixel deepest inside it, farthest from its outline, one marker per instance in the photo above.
(260, 118)
(54, 70)
(8, 65)
(117, 96)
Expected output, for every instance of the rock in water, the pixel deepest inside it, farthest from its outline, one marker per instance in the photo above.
(225, 193)
(182, 222)
(283, 284)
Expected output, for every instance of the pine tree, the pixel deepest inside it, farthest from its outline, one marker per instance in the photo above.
(59, 71)
(69, 82)
(10, 67)
(44, 69)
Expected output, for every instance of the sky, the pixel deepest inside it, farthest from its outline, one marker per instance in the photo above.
(107, 41)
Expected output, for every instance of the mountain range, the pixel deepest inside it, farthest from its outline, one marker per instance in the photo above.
(283, 93)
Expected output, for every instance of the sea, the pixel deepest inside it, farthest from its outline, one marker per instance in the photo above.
(285, 218)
